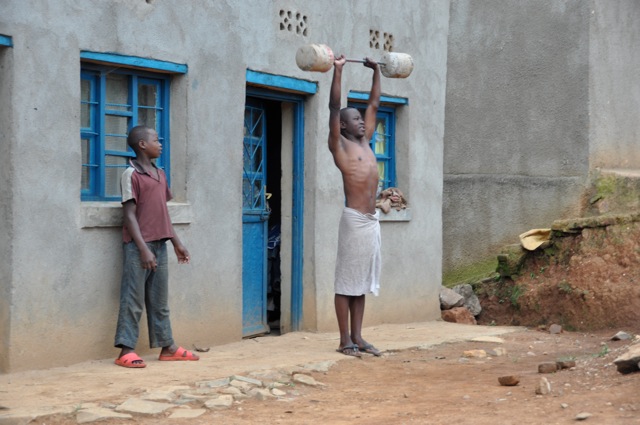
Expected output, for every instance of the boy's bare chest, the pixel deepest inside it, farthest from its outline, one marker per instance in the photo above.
(362, 157)
(361, 164)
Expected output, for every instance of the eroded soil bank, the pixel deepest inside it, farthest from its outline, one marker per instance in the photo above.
(588, 278)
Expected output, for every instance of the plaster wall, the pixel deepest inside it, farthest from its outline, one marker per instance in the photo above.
(65, 256)
(614, 84)
(70, 298)
(6, 206)
(516, 150)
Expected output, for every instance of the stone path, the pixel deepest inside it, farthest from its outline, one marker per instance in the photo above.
(262, 367)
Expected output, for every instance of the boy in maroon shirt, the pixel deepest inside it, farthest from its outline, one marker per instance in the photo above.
(145, 278)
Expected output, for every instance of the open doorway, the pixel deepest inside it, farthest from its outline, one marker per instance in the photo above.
(273, 110)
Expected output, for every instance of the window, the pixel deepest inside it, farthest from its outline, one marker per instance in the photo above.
(113, 100)
(383, 144)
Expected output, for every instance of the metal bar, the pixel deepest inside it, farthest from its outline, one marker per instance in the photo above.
(362, 61)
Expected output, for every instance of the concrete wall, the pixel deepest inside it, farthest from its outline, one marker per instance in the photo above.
(516, 151)
(614, 84)
(6, 195)
(60, 287)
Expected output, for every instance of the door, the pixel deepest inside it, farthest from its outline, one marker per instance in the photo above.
(273, 157)
(255, 217)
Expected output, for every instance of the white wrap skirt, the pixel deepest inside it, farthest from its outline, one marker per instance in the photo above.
(359, 262)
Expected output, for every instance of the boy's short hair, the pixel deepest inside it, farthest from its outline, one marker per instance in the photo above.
(136, 134)
(343, 112)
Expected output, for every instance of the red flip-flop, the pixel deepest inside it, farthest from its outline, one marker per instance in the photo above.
(128, 361)
(180, 355)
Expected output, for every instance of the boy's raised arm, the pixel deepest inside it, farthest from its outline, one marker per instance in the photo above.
(334, 104)
(374, 99)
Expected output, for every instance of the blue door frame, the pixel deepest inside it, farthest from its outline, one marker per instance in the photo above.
(271, 87)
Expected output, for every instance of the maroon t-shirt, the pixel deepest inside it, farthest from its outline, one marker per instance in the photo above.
(150, 195)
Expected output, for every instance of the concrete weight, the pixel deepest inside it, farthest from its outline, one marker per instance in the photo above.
(396, 65)
(315, 57)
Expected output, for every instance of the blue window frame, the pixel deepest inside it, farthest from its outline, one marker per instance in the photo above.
(383, 143)
(5, 41)
(112, 102)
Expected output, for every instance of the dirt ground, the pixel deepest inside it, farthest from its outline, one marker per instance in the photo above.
(436, 387)
(588, 284)
(439, 385)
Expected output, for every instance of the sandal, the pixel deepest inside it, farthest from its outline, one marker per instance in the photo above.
(180, 355)
(128, 361)
(370, 349)
(350, 350)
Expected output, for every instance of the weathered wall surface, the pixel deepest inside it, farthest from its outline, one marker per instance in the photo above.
(516, 151)
(64, 269)
(614, 84)
(6, 195)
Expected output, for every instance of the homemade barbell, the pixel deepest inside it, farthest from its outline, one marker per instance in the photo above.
(320, 57)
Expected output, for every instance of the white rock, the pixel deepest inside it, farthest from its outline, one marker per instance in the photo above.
(145, 407)
(96, 414)
(251, 381)
(186, 413)
(582, 416)
(491, 339)
(305, 379)
(543, 387)
(159, 396)
(221, 402)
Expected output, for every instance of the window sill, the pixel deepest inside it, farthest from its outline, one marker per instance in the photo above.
(394, 215)
(109, 214)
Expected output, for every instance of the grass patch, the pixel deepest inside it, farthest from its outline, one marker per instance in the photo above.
(619, 190)
(567, 359)
(603, 351)
(511, 292)
(605, 186)
(565, 287)
(470, 273)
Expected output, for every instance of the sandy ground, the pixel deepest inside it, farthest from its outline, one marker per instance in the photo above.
(423, 377)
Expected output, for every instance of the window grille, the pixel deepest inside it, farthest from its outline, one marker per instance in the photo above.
(112, 102)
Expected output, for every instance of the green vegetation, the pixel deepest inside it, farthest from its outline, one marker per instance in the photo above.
(516, 292)
(470, 273)
(605, 186)
(621, 192)
(565, 286)
(604, 351)
(567, 359)
(508, 291)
